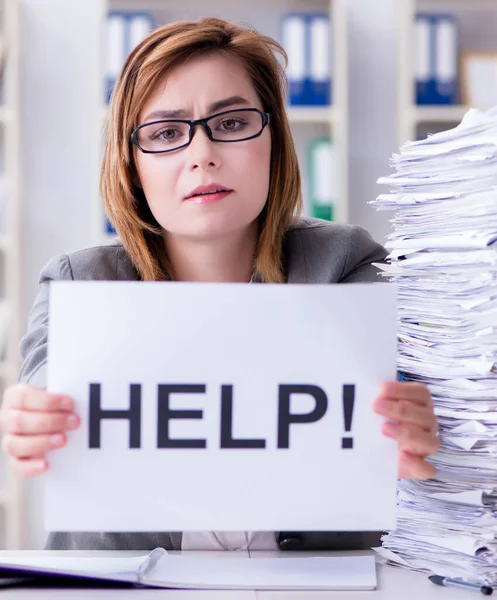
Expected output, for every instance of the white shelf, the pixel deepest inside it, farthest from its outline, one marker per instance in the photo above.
(5, 243)
(438, 114)
(311, 114)
(6, 114)
(11, 494)
(8, 371)
(103, 114)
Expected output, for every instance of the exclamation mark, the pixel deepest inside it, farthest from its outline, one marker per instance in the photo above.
(348, 409)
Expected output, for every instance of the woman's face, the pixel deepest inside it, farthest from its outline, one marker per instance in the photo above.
(168, 179)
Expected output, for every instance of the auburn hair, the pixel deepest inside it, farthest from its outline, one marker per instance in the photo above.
(125, 203)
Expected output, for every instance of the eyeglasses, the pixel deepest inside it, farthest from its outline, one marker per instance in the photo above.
(173, 134)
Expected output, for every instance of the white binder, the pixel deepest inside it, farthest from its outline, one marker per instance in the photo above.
(294, 34)
(446, 56)
(116, 49)
(125, 30)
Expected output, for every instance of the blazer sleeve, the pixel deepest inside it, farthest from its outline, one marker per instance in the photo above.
(362, 252)
(33, 346)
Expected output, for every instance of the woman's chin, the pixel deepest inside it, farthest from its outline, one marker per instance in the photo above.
(211, 227)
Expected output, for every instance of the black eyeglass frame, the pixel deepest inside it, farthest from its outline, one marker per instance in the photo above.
(266, 119)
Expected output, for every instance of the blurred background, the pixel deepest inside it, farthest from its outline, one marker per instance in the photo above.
(365, 76)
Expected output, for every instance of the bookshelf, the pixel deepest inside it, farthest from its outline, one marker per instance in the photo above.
(307, 122)
(478, 23)
(11, 490)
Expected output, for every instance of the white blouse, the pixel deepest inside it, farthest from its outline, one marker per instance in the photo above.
(229, 540)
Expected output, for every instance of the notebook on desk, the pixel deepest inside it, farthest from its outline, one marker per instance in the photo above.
(159, 569)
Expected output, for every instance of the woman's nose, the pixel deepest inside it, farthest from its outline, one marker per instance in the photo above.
(202, 151)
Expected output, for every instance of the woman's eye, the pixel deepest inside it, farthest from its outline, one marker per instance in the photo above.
(165, 134)
(231, 124)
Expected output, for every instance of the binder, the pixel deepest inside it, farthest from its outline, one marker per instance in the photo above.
(306, 38)
(139, 26)
(293, 38)
(125, 30)
(108, 228)
(322, 178)
(159, 569)
(319, 59)
(437, 54)
(116, 50)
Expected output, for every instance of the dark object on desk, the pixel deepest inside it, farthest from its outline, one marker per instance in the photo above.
(486, 590)
(328, 540)
(6, 582)
(27, 577)
(64, 581)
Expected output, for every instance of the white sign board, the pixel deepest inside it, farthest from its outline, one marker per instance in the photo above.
(222, 407)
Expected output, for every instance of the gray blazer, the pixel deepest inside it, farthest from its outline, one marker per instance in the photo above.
(315, 251)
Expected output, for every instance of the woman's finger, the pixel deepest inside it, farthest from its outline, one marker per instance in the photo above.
(406, 411)
(412, 439)
(26, 422)
(26, 397)
(415, 467)
(406, 390)
(28, 467)
(28, 446)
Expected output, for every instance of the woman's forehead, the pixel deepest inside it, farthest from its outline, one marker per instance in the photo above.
(200, 83)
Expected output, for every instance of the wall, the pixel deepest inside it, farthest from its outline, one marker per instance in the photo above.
(60, 98)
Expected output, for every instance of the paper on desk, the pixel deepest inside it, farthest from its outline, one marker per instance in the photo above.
(391, 556)
(76, 564)
(471, 497)
(337, 573)
(160, 569)
(463, 442)
(443, 259)
(464, 545)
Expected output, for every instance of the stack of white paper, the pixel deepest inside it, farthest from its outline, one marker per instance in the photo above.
(443, 258)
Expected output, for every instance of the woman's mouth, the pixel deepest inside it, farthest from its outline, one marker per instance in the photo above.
(208, 194)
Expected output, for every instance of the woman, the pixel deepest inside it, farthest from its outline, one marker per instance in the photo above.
(200, 180)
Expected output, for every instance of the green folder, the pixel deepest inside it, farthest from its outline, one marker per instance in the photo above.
(322, 178)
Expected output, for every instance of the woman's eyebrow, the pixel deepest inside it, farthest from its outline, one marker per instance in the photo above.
(181, 113)
(226, 103)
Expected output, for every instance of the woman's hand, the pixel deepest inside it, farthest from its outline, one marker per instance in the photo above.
(412, 422)
(34, 422)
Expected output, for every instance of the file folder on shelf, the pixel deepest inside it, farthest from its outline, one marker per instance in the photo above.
(322, 178)
(437, 59)
(116, 27)
(306, 38)
(108, 228)
(125, 30)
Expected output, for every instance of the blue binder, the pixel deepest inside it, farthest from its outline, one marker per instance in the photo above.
(437, 53)
(108, 228)
(125, 30)
(306, 38)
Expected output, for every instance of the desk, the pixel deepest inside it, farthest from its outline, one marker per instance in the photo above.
(393, 584)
